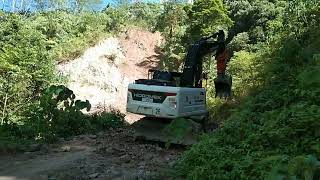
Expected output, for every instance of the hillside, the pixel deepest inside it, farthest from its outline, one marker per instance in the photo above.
(102, 74)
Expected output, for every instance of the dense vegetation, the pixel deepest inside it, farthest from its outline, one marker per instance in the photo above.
(269, 129)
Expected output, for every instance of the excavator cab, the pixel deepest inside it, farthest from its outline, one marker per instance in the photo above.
(160, 78)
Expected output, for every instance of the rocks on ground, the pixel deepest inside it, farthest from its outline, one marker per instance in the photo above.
(113, 154)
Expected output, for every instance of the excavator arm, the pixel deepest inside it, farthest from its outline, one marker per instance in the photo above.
(193, 67)
(192, 74)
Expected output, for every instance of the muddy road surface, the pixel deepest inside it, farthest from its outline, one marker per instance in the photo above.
(113, 154)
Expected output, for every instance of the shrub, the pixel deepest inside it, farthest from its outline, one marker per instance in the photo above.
(59, 114)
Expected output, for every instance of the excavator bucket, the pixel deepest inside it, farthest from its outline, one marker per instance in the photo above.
(223, 86)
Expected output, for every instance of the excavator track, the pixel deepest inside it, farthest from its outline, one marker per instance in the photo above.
(154, 130)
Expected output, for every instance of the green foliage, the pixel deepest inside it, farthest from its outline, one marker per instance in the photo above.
(173, 56)
(172, 19)
(301, 167)
(273, 132)
(258, 19)
(45, 5)
(59, 114)
(206, 17)
(182, 24)
(106, 120)
(68, 35)
(172, 23)
(309, 78)
(177, 130)
(144, 15)
(26, 67)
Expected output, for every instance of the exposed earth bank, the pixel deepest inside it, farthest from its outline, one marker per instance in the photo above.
(102, 74)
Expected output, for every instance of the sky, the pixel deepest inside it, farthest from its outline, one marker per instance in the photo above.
(7, 5)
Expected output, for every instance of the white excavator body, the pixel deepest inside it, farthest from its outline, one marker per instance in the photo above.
(166, 101)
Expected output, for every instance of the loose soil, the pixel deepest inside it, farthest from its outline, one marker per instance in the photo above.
(113, 154)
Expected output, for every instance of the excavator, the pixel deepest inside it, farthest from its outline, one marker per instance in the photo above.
(165, 96)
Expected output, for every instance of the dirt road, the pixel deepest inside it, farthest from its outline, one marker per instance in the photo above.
(113, 154)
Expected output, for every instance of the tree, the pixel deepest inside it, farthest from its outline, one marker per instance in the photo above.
(82, 4)
(172, 23)
(206, 17)
(75, 5)
(258, 18)
(171, 19)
